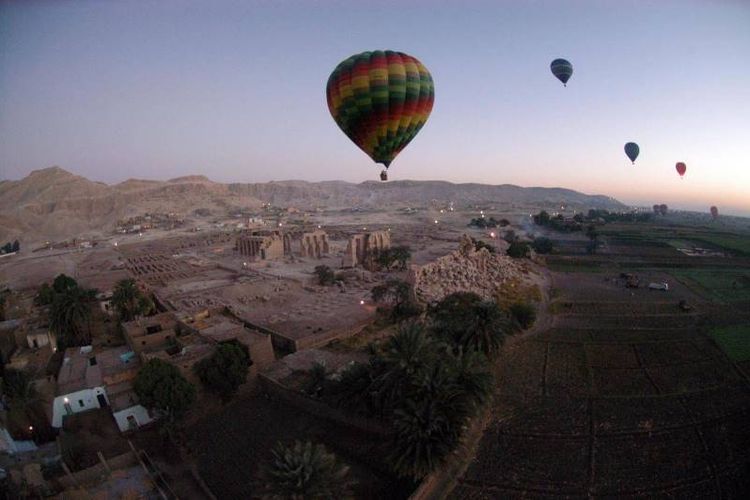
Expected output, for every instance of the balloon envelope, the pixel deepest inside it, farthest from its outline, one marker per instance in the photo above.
(681, 168)
(632, 150)
(562, 70)
(380, 100)
(714, 212)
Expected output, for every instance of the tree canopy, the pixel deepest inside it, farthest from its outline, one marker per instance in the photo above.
(306, 470)
(226, 370)
(160, 386)
(467, 321)
(129, 301)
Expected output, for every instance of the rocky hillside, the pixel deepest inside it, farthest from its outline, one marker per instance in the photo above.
(55, 204)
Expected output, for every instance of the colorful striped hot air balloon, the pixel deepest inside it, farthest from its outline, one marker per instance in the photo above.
(681, 168)
(380, 100)
(562, 70)
(632, 150)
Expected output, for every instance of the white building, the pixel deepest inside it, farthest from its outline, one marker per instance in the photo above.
(90, 379)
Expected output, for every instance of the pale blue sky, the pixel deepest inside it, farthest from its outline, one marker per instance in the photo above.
(236, 91)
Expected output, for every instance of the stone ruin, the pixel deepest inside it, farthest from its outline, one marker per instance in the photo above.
(464, 270)
(260, 246)
(362, 249)
(266, 245)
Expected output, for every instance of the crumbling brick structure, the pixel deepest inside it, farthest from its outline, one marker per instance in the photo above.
(363, 249)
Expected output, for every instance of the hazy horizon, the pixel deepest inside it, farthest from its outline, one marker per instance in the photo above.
(236, 91)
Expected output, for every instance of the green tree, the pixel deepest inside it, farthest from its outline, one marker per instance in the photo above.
(518, 250)
(398, 365)
(467, 321)
(306, 471)
(542, 218)
(510, 236)
(401, 254)
(479, 244)
(325, 275)
(160, 386)
(45, 296)
(386, 258)
(70, 316)
(16, 246)
(64, 283)
(129, 301)
(7, 248)
(428, 423)
(542, 245)
(591, 232)
(523, 314)
(226, 370)
(396, 295)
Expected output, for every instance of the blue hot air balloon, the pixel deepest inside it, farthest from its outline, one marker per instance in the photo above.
(632, 150)
(562, 70)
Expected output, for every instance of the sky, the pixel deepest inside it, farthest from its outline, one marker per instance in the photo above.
(235, 90)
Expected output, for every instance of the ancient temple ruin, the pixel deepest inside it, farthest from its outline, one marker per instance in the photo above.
(314, 244)
(261, 246)
(265, 245)
(364, 248)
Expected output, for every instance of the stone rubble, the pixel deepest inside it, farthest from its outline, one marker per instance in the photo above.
(465, 270)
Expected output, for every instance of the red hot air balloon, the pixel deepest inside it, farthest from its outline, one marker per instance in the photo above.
(681, 168)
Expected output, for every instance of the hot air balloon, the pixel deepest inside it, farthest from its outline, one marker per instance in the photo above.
(632, 150)
(380, 100)
(714, 212)
(656, 209)
(562, 70)
(681, 168)
(663, 209)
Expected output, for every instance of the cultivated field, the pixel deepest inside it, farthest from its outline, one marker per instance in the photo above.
(627, 394)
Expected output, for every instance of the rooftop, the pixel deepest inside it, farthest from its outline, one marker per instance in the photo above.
(85, 368)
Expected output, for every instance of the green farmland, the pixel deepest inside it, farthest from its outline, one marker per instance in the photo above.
(735, 340)
(722, 285)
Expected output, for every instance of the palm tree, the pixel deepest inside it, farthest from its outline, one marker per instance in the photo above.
(70, 316)
(306, 471)
(22, 398)
(129, 301)
(399, 364)
(469, 322)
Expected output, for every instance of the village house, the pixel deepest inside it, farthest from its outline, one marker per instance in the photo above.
(99, 378)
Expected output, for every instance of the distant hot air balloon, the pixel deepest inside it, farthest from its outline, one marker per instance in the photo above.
(663, 209)
(380, 100)
(656, 209)
(632, 150)
(562, 70)
(681, 168)
(714, 212)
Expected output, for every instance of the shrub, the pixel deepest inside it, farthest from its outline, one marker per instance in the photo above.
(523, 314)
(518, 250)
(542, 245)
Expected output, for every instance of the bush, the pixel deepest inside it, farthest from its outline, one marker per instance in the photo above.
(542, 245)
(518, 250)
(305, 470)
(523, 314)
(467, 322)
(325, 274)
(226, 370)
(160, 386)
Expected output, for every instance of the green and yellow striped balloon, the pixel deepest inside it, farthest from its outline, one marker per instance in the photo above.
(380, 100)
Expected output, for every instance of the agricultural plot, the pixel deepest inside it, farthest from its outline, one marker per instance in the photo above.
(721, 285)
(637, 399)
(735, 340)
